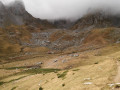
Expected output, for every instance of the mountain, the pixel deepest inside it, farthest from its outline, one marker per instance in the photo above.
(97, 19)
(62, 55)
(15, 14)
(23, 29)
(3, 14)
(63, 24)
(16, 26)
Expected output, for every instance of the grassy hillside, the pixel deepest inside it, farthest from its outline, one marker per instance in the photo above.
(95, 72)
(92, 65)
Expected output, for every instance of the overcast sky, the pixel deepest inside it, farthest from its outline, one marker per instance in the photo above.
(55, 9)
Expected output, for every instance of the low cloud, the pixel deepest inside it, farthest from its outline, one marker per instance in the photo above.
(68, 9)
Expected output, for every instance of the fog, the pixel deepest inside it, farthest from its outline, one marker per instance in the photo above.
(68, 9)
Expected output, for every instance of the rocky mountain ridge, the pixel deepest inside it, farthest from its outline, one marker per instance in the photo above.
(98, 19)
(15, 14)
(23, 29)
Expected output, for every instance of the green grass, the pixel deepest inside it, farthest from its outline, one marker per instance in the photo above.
(76, 69)
(31, 72)
(96, 63)
(12, 68)
(62, 75)
(16, 79)
(39, 70)
(1, 83)
(40, 88)
(13, 88)
(63, 84)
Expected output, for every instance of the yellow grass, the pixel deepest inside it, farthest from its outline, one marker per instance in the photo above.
(100, 74)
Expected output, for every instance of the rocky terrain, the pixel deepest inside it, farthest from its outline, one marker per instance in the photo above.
(60, 55)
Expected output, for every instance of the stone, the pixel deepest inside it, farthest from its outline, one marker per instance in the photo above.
(55, 60)
(110, 85)
(63, 61)
(87, 83)
(76, 55)
(39, 63)
(87, 78)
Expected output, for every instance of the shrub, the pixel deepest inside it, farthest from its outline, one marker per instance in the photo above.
(62, 75)
(13, 88)
(40, 88)
(96, 63)
(76, 69)
(63, 84)
(1, 83)
(117, 86)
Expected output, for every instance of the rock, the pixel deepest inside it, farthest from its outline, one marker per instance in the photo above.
(50, 52)
(87, 78)
(39, 63)
(87, 83)
(111, 85)
(72, 55)
(55, 60)
(39, 84)
(63, 61)
(76, 55)
(117, 83)
(118, 42)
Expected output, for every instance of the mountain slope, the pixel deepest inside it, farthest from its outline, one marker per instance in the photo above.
(97, 19)
(15, 14)
(16, 26)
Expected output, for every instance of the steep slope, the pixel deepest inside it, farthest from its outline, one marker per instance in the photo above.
(97, 19)
(15, 14)
(16, 26)
(3, 14)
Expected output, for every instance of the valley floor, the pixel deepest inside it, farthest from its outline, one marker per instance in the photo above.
(89, 70)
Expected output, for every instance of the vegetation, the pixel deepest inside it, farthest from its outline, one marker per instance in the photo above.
(96, 63)
(62, 75)
(63, 84)
(40, 88)
(1, 83)
(76, 69)
(13, 88)
(39, 70)
(12, 68)
(117, 86)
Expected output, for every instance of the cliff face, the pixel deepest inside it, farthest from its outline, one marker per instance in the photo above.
(12, 14)
(18, 14)
(15, 14)
(97, 19)
(3, 14)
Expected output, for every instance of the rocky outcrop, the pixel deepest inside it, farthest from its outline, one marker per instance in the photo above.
(18, 14)
(63, 24)
(15, 14)
(97, 19)
(3, 14)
